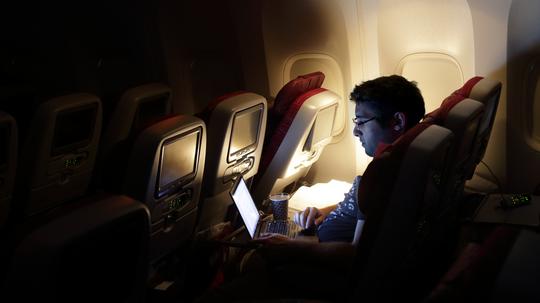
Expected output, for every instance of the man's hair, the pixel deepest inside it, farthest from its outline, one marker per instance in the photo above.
(390, 94)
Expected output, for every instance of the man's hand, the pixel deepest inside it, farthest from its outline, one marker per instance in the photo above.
(309, 217)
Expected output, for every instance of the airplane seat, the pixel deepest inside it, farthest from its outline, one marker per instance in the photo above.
(294, 88)
(287, 95)
(399, 192)
(236, 125)
(306, 114)
(165, 171)
(138, 108)
(8, 164)
(93, 250)
(475, 274)
(58, 155)
(488, 92)
(462, 116)
(463, 119)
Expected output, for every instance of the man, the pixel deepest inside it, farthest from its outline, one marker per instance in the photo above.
(386, 107)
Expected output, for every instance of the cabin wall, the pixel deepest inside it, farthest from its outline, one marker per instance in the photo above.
(422, 41)
(490, 19)
(523, 96)
(439, 44)
(103, 48)
(201, 48)
(305, 36)
(247, 16)
(429, 41)
(95, 47)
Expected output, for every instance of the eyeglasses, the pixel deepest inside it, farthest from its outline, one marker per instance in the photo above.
(360, 123)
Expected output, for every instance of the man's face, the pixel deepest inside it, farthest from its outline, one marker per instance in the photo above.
(370, 133)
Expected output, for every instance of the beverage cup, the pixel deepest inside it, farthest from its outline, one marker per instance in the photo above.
(280, 205)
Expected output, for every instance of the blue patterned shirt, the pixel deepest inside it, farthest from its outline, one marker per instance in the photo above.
(340, 223)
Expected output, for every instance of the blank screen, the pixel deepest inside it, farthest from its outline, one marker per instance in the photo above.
(323, 125)
(178, 159)
(245, 129)
(73, 129)
(246, 207)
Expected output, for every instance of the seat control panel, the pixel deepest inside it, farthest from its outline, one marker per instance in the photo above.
(240, 167)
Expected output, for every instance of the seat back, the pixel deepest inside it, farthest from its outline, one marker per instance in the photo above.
(236, 125)
(488, 92)
(96, 251)
(138, 108)
(8, 164)
(165, 170)
(462, 116)
(59, 152)
(301, 125)
(398, 192)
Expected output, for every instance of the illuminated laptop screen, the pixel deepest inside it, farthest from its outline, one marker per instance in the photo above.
(246, 206)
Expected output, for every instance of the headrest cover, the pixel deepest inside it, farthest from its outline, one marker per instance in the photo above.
(439, 115)
(137, 107)
(295, 88)
(403, 141)
(272, 146)
(207, 111)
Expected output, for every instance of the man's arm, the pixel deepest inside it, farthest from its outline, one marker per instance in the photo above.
(313, 215)
(281, 249)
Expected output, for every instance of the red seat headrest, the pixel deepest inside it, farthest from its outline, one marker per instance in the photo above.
(439, 115)
(295, 88)
(279, 133)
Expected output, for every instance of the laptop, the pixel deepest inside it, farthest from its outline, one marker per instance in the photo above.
(251, 217)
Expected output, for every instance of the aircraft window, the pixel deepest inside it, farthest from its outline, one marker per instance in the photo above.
(308, 63)
(437, 76)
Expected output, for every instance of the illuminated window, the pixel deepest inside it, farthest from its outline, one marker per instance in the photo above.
(437, 75)
(307, 63)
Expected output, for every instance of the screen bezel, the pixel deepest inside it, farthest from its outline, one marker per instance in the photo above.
(241, 153)
(161, 191)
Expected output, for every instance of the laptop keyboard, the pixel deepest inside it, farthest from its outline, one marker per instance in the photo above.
(278, 227)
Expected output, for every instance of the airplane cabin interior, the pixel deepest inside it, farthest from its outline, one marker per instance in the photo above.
(126, 125)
